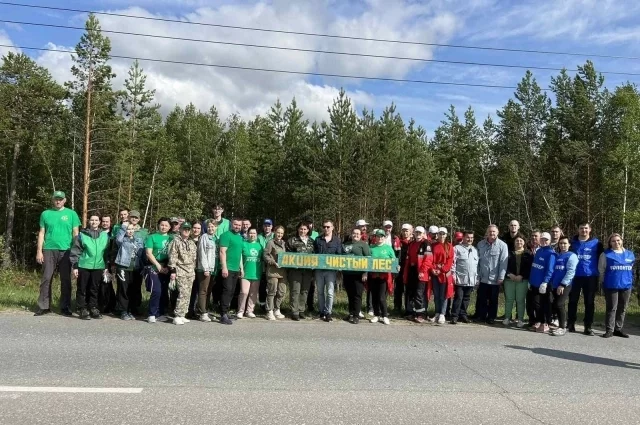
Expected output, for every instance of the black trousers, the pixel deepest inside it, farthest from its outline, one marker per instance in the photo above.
(129, 291)
(193, 298)
(229, 284)
(262, 290)
(487, 301)
(378, 296)
(560, 305)
(588, 286)
(354, 287)
(539, 306)
(88, 285)
(461, 301)
(400, 294)
(311, 294)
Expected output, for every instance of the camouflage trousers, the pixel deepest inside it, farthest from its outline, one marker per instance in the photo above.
(183, 284)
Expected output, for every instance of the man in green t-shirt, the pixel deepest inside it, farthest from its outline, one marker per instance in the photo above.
(58, 227)
(216, 215)
(231, 243)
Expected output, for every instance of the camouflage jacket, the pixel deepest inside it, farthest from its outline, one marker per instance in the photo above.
(182, 257)
(295, 244)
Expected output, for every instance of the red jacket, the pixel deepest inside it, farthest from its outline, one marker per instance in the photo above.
(418, 255)
(443, 261)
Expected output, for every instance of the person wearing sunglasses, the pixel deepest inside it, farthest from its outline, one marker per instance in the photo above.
(616, 276)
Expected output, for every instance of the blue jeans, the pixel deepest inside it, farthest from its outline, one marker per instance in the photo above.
(325, 279)
(158, 285)
(439, 295)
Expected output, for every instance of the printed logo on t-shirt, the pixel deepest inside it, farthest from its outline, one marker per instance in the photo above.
(254, 255)
(165, 245)
(64, 218)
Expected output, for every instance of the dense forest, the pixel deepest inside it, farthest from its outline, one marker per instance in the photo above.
(556, 156)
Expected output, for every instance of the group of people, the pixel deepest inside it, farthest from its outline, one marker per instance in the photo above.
(190, 269)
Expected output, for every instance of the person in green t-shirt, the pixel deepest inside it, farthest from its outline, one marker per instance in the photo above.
(380, 283)
(252, 264)
(231, 243)
(89, 260)
(157, 274)
(223, 225)
(58, 227)
(354, 281)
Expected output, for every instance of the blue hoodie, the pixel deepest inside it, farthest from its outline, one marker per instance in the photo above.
(542, 267)
(565, 269)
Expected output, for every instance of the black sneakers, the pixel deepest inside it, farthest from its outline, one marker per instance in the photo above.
(588, 332)
(295, 317)
(620, 334)
(607, 334)
(328, 318)
(95, 314)
(66, 312)
(84, 314)
(224, 319)
(42, 312)
(572, 328)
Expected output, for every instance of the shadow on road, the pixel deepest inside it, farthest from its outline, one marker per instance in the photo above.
(577, 357)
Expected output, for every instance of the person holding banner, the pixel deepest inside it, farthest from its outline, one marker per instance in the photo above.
(328, 243)
(380, 283)
(354, 280)
(277, 276)
(299, 279)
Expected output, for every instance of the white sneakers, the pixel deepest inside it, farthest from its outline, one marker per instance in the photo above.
(360, 315)
(506, 322)
(374, 319)
(556, 323)
(178, 321)
(251, 315)
(278, 314)
(441, 319)
(185, 320)
(205, 318)
(270, 316)
(520, 324)
(151, 319)
(239, 315)
(370, 313)
(386, 321)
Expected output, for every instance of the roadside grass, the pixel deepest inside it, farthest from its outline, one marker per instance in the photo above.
(19, 292)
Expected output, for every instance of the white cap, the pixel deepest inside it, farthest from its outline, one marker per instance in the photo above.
(406, 226)
(387, 223)
(433, 229)
(545, 235)
(361, 222)
(419, 229)
(442, 230)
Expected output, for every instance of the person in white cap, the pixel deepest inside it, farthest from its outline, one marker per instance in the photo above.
(539, 295)
(433, 234)
(441, 282)
(362, 225)
(399, 293)
(390, 239)
(416, 272)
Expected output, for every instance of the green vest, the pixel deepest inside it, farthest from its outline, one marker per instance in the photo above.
(92, 257)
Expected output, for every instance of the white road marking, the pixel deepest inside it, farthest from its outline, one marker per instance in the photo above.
(70, 390)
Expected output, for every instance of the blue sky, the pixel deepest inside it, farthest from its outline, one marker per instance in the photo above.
(584, 26)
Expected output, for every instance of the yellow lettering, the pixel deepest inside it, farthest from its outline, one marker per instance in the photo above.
(343, 263)
(387, 265)
(299, 261)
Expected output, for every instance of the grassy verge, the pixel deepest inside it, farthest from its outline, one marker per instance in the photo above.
(19, 292)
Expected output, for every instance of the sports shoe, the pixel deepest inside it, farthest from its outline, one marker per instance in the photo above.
(178, 321)
(571, 328)
(535, 326)
(278, 314)
(355, 320)
(251, 315)
(125, 316)
(84, 314)
(520, 324)
(454, 321)
(558, 332)
(555, 323)
(270, 316)
(441, 319)
(386, 321)
(42, 312)
(327, 318)
(205, 317)
(607, 334)
(302, 316)
(506, 322)
(360, 315)
(465, 320)
(431, 319)
(239, 316)
(370, 313)
(151, 319)
(185, 320)
(66, 312)
(588, 332)
(621, 334)
(295, 317)
(419, 319)
(224, 319)
(95, 314)
(374, 319)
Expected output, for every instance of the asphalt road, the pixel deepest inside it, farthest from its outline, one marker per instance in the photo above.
(311, 373)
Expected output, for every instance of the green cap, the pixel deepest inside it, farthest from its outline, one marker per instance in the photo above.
(379, 232)
(134, 213)
(58, 194)
(186, 225)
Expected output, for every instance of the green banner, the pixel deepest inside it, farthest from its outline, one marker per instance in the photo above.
(294, 260)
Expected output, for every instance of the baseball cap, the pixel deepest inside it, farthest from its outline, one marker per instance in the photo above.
(442, 230)
(545, 235)
(58, 194)
(433, 229)
(185, 225)
(406, 226)
(458, 235)
(387, 223)
(174, 220)
(268, 222)
(379, 232)
(419, 229)
(361, 222)
(134, 213)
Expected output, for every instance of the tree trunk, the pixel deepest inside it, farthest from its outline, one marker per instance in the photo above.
(73, 174)
(153, 182)
(11, 208)
(486, 195)
(87, 160)
(624, 199)
(132, 143)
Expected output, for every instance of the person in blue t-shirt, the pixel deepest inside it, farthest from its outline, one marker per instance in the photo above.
(616, 275)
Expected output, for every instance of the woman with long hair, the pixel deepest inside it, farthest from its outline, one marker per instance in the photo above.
(516, 283)
(157, 273)
(250, 282)
(277, 276)
(300, 279)
(616, 276)
(441, 283)
(354, 281)
(206, 268)
(381, 284)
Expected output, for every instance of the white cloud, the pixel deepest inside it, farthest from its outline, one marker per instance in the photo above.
(6, 41)
(249, 93)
